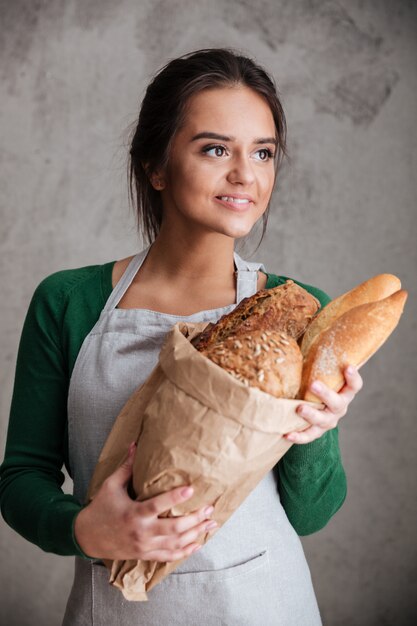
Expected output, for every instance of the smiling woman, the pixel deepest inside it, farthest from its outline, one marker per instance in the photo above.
(204, 159)
(221, 188)
(165, 109)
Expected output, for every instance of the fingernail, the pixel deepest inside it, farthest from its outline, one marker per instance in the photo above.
(211, 525)
(132, 448)
(186, 492)
(317, 386)
(208, 510)
(350, 369)
(196, 548)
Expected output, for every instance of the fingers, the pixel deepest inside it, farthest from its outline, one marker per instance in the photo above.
(322, 418)
(333, 401)
(305, 436)
(171, 539)
(353, 379)
(178, 525)
(337, 402)
(336, 405)
(164, 501)
(181, 541)
(141, 530)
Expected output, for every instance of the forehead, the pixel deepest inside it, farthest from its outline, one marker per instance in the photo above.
(226, 108)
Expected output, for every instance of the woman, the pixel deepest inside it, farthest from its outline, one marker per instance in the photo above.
(204, 157)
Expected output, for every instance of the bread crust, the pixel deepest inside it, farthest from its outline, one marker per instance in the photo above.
(352, 339)
(371, 290)
(266, 359)
(287, 308)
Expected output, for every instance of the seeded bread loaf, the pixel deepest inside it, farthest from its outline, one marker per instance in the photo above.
(266, 359)
(287, 308)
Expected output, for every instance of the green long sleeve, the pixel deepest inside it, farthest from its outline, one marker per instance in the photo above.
(63, 310)
(32, 502)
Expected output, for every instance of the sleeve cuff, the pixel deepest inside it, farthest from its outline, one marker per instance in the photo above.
(300, 456)
(56, 532)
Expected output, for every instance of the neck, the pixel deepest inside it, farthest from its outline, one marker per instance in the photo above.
(185, 258)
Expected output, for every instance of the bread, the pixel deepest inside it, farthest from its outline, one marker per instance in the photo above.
(349, 330)
(269, 360)
(287, 308)
(352, 338)
(375, 288)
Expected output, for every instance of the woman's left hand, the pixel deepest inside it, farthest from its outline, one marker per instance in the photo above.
(322, 420)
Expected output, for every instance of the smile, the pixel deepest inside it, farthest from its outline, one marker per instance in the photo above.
(234, 200)
(237, 204)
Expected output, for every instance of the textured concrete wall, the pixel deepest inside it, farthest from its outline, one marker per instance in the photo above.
(73, 74)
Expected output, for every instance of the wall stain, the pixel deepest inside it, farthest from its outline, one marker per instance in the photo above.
(326, 34)
(359, 95)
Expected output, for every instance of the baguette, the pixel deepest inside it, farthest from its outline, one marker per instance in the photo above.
(351, 339)
(375, 288)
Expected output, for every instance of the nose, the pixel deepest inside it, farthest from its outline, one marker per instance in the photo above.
(241, 171)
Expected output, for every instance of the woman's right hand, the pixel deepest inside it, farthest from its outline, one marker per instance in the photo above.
(113, 526)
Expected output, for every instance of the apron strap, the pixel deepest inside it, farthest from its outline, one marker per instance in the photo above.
(247, 277)
(246, 283)
(126, 280)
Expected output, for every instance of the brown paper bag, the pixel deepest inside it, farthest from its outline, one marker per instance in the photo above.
(195, 425)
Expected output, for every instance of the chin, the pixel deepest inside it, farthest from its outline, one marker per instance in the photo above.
(233, 233)
(238, 232)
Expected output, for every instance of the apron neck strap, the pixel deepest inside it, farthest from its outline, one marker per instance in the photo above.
(247, 277)
(246, 283)
(126, 280)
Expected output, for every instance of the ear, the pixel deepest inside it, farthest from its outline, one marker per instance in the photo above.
(157, 179)
(157, 183)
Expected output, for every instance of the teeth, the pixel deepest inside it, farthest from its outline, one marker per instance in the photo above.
(235, 200)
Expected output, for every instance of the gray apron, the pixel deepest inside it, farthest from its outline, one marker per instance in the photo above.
(253, 570)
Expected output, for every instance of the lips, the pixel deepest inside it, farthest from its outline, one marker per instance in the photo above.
(238, 202)
(238, 197)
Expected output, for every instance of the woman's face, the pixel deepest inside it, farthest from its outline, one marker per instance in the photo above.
(220, 173)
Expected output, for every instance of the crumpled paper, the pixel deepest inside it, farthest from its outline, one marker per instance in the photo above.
(194, 424)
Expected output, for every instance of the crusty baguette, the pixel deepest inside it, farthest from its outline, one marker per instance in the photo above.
(287, 308)
(269, 360)
(351, 339)
(375, 288)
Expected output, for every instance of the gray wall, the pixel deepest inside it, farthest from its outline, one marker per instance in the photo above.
(73, 74)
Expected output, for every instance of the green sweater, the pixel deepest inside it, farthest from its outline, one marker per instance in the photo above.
(63, 310)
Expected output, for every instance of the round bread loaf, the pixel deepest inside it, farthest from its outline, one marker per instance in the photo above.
(287, 308)
(266, 359)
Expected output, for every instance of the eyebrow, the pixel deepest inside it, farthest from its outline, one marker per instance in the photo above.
(209, 135)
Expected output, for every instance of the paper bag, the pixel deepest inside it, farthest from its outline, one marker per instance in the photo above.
(194, 425)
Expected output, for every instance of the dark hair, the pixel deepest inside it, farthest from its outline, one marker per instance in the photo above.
(163, 113)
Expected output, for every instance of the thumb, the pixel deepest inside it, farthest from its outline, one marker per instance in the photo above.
(124, 471)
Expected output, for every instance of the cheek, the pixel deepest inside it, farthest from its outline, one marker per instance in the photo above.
(189, 177)
(269, 180)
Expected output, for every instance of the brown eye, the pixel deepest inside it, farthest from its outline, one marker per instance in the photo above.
(267, 154)
(218, 149)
